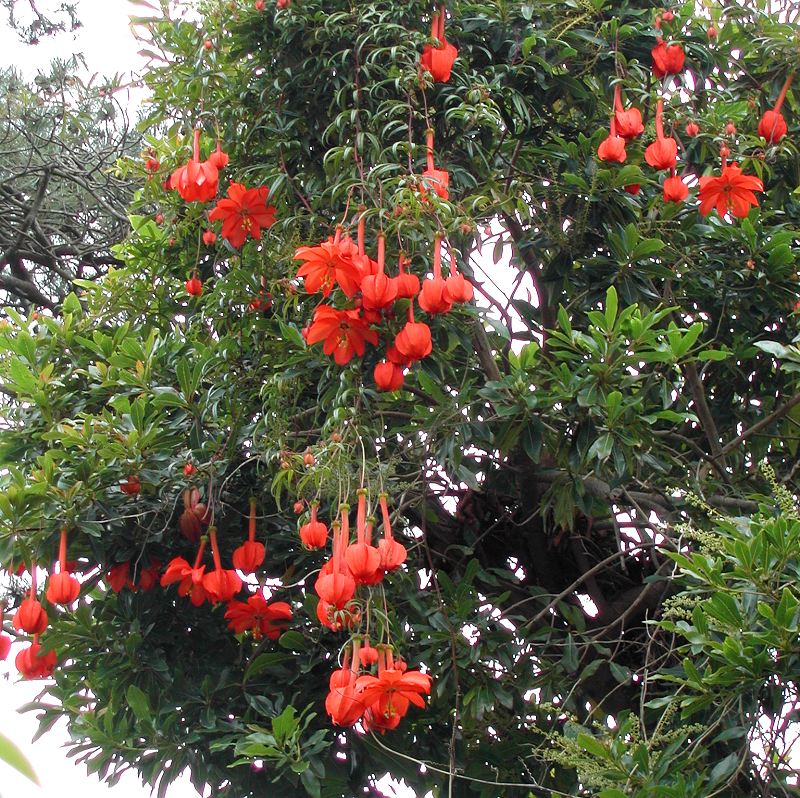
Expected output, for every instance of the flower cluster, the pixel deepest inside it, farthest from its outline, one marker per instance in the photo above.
(731, 192)
(340, 264)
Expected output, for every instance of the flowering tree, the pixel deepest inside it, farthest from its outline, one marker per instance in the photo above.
(440, 420)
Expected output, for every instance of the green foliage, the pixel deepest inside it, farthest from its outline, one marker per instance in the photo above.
(600, 581)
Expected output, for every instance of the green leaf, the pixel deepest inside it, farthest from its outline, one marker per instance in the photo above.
(22, 377)
(138, 702)
(12, 755)
(292, 640)
(612, 303)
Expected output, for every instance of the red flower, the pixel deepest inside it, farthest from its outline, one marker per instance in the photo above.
(194, 287)
(314, 534)
(329, 264)
(363, 559)
(250, 555)
(209, 237)
(130, 486)
(257, 616)
(388, 376)
(457, 288)
(439, 59)
(335, 585)
(30, 617)
(219, 158)
(197, 180)
(675, 190)
(221, 584)
(633, 188)
(5, 646)
(190, 578)
(667, 60)
(391, 692)
(663, 152)
(393, 554)
(731, 191)
(612, 149)
(414, 340)
(692, 129)
(148, 578)
(772, 127)
(119, 577)
(63, 588)
(32, 664)
(343, 704)
(628, 123)
(367, 655)
(407, 284)
(344, 332)
(243, 213)
(434, 298)
(378, 291)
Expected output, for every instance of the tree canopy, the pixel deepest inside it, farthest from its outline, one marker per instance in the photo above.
(440, 416)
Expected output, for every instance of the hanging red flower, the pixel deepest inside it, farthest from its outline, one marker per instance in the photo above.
(30, 616)
(343, 704)
(433, 297)
(119, 577)
(378, 291)
(344, 332)
(314, 534)
(393, 554)
(197, 180)
(362, 558)
(667, 60)
(190, 578)
(675, 190)
(63, 588)
(388, 376)
(220, 584)
(407, 284)
(628, 123)
(259, 617)
(663, 152)
(243, 213)
(457, 288)
(732, 192)
(612, 148)
(414, 340)
(433, 179)
(391, 692)
(692, 129)
(772, 126)
(248, 557)
(439, 59)
(329, 264)
(335, 585)
(148, 578)
(219, 158)
(32, 663)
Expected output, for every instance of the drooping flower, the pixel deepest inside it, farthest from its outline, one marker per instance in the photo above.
(433, 179)
(244, 212)
(32, 663)
(675, 190)
(329, 264)
(194, 285)
(148, 577)
(367, 655)
(628, 123)
(190, 578)
(407, 284)
(692, 129)
(731, 192)
(663, 152)
(343, 704)
(458, 288)
(388, 376)
(433, 297)
(414, 340)
(362, 558)
(612, 148)
(378, 290)
(63, 588)
(393, 553)
(335, 585)
(250, 555)
(439, 59)
(196, 181)
(30, 616)
(633, 188)
(221, 584)
(772, 126)
(344, 332)
(219, 158)
(258, 616)
(314, 534)
(667, 60)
